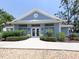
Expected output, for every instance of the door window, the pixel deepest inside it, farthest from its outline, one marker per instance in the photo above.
(37, 32)
(33, 32)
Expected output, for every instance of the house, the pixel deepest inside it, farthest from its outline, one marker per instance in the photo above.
(36, 22)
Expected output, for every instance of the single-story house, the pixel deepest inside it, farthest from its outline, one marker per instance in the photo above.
(36, 22)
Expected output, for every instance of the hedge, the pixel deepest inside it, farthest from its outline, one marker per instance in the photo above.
(73, 36)
(61, 36)
(12, 33)
(51, 39)
(16, 38)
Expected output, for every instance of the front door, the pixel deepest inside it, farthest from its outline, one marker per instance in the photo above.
(35, 32)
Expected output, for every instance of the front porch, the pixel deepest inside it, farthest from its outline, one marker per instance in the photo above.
(35, 30)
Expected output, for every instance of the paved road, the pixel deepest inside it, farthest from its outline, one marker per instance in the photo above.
(36, 43)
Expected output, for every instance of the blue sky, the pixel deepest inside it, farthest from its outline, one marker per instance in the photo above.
(19, 7)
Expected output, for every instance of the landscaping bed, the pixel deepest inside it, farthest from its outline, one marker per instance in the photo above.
(13, 35)
(59, 37)
(49, 36)
(50, 39)
(16, 38)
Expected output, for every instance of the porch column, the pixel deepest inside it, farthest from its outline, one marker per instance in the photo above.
(57, 27)
(68, 31)
(42, 28)
(28, 30)
(16, 27)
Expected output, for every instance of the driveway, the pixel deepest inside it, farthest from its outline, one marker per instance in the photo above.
(36, 43)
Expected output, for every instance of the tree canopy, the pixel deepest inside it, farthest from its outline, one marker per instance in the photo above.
(69, 12)
(5, 16)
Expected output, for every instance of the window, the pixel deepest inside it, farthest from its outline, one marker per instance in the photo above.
(49, 24)
(9, 29)
(36, 25)
(23, 25)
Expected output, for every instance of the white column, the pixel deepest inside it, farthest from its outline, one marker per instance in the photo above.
(68, 31)
(57, 27)
(41, 26)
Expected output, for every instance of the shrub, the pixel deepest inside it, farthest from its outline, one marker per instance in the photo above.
(6, 34)
(19, 33)
(51, 39)
(28, 35)
(61, 36)
(0, 35)
(49, 33)
(41, 34)
(16, 38)
(48, 36)
(43, 38)
(12, 33)
(73, 36)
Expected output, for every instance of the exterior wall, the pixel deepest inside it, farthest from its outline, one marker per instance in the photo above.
(26, 29)
(43, 29)
(37, 54)
(56, 28)
(40, 16)
(8, 28)
(65, 30)
(15, 27)
(4, 29)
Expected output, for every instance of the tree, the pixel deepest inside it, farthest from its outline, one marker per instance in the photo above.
(65, 13)
(75, 12)
(5, 17)
(69, 9)
(65, 3)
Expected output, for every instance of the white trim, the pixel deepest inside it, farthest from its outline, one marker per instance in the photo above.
(36, 22)
(66, 25)
(35, 31)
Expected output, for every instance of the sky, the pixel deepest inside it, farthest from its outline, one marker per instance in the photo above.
(19, 7)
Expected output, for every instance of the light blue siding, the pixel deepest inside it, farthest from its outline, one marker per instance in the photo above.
(65, 30)
(57, 27)
(27, 30)
(40, 16)
(15, 27)
(45, 29)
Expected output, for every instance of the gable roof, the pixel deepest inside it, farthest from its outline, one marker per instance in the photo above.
(40, 11)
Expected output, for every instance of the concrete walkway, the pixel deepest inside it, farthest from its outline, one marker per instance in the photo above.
(36, 43)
